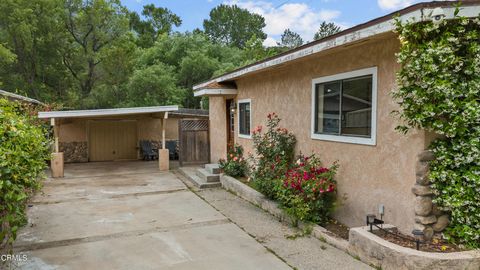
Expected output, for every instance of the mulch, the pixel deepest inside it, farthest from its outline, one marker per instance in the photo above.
(437, 244)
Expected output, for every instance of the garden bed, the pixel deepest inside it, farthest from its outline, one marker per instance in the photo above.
(253, 196)
(377, 251)
(434, 245)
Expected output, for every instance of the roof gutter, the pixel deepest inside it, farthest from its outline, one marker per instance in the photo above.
(418, 12)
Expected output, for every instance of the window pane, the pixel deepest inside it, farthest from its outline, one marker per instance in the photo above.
(244, 118)
(357, 106)
(328, 108)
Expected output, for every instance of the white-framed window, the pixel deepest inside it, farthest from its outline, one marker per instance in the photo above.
(344, 107)
(244, 118)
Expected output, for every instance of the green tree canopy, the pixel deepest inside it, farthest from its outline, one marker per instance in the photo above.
(158, 21)
(93, 26)
(233, 26)
(326, 29)
(290, 39)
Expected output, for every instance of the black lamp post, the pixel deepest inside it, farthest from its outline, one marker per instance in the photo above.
(418, 235)
(371, 221)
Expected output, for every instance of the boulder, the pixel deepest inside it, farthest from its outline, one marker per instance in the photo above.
(422, 190)
(423, 205)
(441, 224)
(426, 220)
(426, 155)
(422, 169)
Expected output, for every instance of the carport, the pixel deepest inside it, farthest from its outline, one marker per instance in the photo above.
(108, 134)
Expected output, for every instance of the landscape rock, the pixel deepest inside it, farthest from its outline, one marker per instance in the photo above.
(422, 190)
(423, 180)
(423, 205)
(426, 155)
(422, 169)
(426, 220)
(441, 224)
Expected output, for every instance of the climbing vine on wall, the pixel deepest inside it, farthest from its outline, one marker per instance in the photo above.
(439, 91)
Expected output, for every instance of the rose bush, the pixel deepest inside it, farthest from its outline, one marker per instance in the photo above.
(274, 152)
(235, 165)
(307, 192)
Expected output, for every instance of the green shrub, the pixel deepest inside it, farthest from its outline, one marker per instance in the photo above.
(274, 152)
(439, 90)
(307, 192)
(235, 165)
(24, 150)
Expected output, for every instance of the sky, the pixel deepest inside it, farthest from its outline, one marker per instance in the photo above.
(301, 16)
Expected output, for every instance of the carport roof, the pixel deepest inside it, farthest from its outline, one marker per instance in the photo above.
(106, 112)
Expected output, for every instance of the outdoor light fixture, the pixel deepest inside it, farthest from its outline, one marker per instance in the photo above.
(418, 235)
(373, 220)
(233, 106)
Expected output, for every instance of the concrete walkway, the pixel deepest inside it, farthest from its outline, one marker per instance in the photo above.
(128, 215)
(289, 244)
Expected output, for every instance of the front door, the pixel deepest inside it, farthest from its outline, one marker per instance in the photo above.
(112, 140)
(230, 122)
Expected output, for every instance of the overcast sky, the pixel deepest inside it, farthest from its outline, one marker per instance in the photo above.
(301, 16)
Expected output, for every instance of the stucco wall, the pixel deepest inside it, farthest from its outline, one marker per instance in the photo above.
(218, 128)
(368, 175)
(151, 129)
(73, 134)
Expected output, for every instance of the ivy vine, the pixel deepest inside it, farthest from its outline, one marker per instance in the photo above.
(439, 91)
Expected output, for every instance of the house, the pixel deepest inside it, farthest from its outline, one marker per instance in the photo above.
(114, 134)
(334, 94)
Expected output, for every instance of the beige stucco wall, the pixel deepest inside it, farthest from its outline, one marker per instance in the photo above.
(151, 129)
(218, 128)
(368, 175)
(73, 130)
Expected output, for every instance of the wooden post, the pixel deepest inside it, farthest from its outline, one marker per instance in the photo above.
(163, 157)
(55, 134)
(164, 123)
(57, 157)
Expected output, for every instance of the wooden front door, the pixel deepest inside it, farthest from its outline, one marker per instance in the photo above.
(112, 140)
(230, 122)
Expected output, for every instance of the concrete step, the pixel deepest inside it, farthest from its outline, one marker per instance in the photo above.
(213, 168)
(190, 173)
(208, 177)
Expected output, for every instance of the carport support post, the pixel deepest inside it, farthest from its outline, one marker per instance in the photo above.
(163, 157)
(57, 156)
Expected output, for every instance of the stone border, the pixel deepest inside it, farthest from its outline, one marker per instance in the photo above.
(258, 199)
(376, 251)
(362, 244)
(428, 217)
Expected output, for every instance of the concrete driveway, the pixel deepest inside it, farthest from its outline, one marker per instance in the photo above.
(128, 215)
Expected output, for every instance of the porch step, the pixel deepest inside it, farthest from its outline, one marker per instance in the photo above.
(190, 173)
(206, 176)
(213, 168)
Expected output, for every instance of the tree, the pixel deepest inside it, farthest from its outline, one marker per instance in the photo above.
(158, 21)
(326, 29)
(290, 39)
(30, 34)
(152, 86)
(93, 26)
(233, 26)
